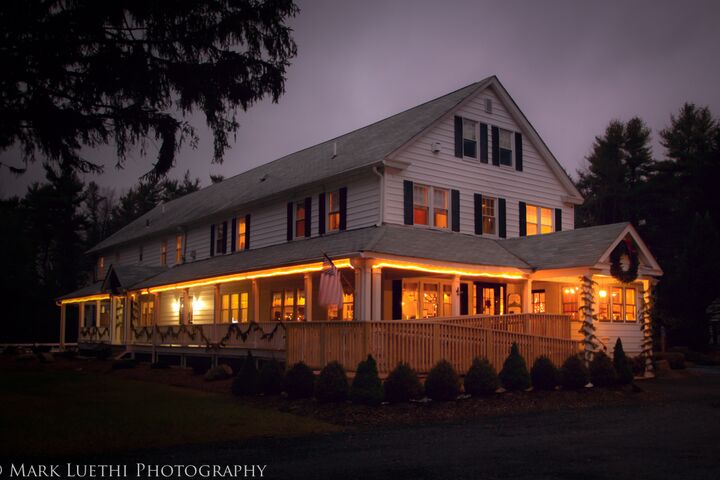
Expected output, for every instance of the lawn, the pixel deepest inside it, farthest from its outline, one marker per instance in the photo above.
(54, 413)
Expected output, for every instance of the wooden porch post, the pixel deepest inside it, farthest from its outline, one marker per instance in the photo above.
(187, 307)
(63, 317)
(309, 297)
(256, 300)
(217, 311)
(376, 294)
(357, 295)
(127, 319)
(81, 316)
(97, 313)
(527, 296)
(455, 300)
(156, 313)
(367, 291)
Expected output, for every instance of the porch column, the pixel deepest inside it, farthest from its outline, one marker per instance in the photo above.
(455, 305)
(527, 296)
(367, 291)
(217, 311)
(63, 317)
(376, 294)
(97, 313)
(309, 296)
(127, 318)
(187, 307)
(256, 300)
(81, 316)
(357, 295)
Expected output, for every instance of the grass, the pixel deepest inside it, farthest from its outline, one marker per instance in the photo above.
(47, 414)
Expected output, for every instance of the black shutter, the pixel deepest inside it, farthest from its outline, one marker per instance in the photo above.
(458, 137)
(321, 214)
(463, 299)
(343, 208)
(397, 299)
(247, 232)
(212, 240)
(308, 216)
(558, 220)
(289, 221)
(478, 214)
(523, 219)
(455, 206)
(518, 152)
(233, 235)
(495, 146)
(224, 237)
(502, 218)
(408, 201)
(483, 143)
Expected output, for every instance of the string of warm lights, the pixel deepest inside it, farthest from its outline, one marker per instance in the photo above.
(88, 298)
(446, 271)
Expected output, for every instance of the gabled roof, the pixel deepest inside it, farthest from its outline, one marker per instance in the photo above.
(358, 149)
(120, 277)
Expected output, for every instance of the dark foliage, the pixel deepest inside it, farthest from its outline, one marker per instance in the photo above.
(573, 373)
(602, 371)
(366, 387)
(82, 74)
(332, 384)
(481, 378)
(638, 365)
(676, 360)
(247, 381)
(402, 384)
(544, 374)
(271, 377)
(442, 383)
(299, 382)
(514, 374)
(623, 367)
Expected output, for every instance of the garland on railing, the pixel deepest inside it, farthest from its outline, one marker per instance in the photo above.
(142, 332)
(252, 327)
(92, 331)
(647, 342)
(590, 340)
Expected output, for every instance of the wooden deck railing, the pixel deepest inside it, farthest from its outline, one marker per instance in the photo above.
(257, 336)
(419, 343)
(542, 324)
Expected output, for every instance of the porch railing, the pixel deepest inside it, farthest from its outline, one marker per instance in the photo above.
(541, 324)
(253, 335)
(419, 343)
(94, 334)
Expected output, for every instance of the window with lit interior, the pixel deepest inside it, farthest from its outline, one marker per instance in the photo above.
(423, 198)
(241, 230)
(299, 219)
(538, 220)
(488, 215)
(333, 223)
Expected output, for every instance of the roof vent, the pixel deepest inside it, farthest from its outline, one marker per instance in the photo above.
(435, 147)
(488, 105)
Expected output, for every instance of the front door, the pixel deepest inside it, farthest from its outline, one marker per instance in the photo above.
(489, 298)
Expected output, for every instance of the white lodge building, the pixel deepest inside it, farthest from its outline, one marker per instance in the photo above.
(452, 226)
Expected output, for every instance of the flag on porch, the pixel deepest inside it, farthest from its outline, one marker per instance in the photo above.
(331, 291)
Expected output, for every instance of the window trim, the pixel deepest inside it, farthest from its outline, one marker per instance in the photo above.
(539, 224)
(179, 248)
(330, 212)
(300, 204)
(512, 148)
(430, 206)
(163, 252)
(240, 233)
(476, 132)
(494, 216)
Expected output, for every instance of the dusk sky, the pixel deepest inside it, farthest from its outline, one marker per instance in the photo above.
(571, 67)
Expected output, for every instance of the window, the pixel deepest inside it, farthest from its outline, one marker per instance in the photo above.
(469, 138)
(178, 248)
(538, 220)
(100, 266)
(426, 299)
(447, 300)
(300, 219)
(333, 223)
(347, 309)
(234, 308)
(220, 237)
(140, 254)
(241, 229)
(488, 215)
(538, 301)
(430, 303)
(570, 302)
(288, 305)
(506, 148)
(163, 253)
(622, 303)
(147, 310)
(423, 197)
(410, 300)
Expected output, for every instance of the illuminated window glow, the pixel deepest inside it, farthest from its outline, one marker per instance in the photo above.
(538, 220)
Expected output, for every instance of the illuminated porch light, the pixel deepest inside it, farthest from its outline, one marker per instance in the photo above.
(197, 304)
(602, 293)
(176, 306)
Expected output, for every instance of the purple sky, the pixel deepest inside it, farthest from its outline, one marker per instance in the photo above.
(571, 67)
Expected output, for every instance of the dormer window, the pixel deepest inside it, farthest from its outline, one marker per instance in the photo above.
(469, 138)
(506, 147)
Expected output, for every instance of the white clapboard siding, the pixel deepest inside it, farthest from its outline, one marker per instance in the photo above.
(203, 301)
(536, 184)
(167, 314)
(630, 333)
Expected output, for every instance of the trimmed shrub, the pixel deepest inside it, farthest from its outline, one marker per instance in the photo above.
(676, 360)
(332, 384)
(270, 378)
(573, 373)
(514, 374)
(247, 381)
(366, 386)
(544, 374)
(623, 368)
(402, 385)
(442, 383)
(602, 371)
(221, 372)
(481, 378)
(299, 381)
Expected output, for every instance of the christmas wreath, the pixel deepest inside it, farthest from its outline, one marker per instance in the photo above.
(624, 248)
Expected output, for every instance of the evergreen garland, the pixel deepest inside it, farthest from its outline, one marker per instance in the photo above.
(590, 341)
(647, 342)
(626, 247)
(235, 330)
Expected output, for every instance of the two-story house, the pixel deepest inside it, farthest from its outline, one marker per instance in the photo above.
(454, 209)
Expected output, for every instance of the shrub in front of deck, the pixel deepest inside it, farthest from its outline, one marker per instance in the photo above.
(623, 367)
(481, 378)
(366, 387)
(271, 378)
(544, 374)
(299, 382)
(573, 373)
(514, 374)
(602, 371)
(332, 384)
(247, 381)
(402, 385)
(442, 383)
